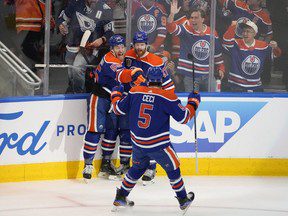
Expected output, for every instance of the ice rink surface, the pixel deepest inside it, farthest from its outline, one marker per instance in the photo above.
(215, 196)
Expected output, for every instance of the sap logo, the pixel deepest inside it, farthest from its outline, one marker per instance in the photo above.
(28, 143)
(217, 122)
(71, 130)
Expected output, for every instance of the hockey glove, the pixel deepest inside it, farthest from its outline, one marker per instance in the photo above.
(137, 76)
(194, 99)
(117, 92)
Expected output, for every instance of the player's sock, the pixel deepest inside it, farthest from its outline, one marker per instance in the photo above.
(177, 183)
(130, 180)
(107, 146)
(90, 147)
(91, 140)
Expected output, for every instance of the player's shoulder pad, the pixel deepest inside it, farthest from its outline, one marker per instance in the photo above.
(154, 60)
(131, 53)
(110, 58)
(166, 94)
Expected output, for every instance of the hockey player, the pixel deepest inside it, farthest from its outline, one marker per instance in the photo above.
(78, 17)
(195, 38)
(247, 57)
(150, 18)
(140, 57)
(101, 120)
(150, 108)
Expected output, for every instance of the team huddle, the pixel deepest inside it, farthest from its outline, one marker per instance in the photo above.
(141, 93)
(132, 93)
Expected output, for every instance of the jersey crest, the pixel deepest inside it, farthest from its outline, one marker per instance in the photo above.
(251, 65)
(147, 23)
(201, 49)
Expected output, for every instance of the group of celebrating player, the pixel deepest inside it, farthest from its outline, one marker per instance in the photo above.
(142, 96)
(132, 93)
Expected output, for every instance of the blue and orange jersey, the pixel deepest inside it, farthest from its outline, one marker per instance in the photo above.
(247, 62)
(197, 43)
(105, 73)
(149, 111)
(240, 11)
(180, 19)
(152, 21)
(131, 61)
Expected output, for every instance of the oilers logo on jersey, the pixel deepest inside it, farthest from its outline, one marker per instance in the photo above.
(201, 50)
(147, 23)
(251, 65)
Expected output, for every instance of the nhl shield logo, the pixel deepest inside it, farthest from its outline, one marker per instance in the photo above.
(251, 65)
(147, 23)
(201, 50)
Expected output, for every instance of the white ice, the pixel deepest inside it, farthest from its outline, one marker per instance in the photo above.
(215, 196)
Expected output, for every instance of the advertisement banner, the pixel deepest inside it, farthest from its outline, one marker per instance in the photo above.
(51, 129)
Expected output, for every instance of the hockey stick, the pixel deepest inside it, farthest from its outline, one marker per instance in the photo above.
(83, 42)
(191, 57)
(62, 66)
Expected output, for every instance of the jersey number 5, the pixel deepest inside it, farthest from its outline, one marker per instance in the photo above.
(144, 117)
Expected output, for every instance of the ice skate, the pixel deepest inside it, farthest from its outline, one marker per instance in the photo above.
(186, 202)
(107, 171)
(123, 169)
(87, 172)
(121, 202)
(148, 177)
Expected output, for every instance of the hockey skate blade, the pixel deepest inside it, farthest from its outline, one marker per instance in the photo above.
(115, 177)
(88, 181)
(117, 208)
(186, 209)
(147, 183)
(103, 175)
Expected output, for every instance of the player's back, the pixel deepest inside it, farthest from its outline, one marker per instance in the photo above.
(149, 116)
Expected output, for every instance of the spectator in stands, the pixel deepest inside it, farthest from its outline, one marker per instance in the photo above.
(30, 24)
(94, 17)
(150, 18)
(247, 57)
(195, 40)
(251, 10)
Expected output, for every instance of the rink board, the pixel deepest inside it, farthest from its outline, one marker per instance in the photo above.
(238, 134)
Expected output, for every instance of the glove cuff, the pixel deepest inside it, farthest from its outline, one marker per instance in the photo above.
(194, 101)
